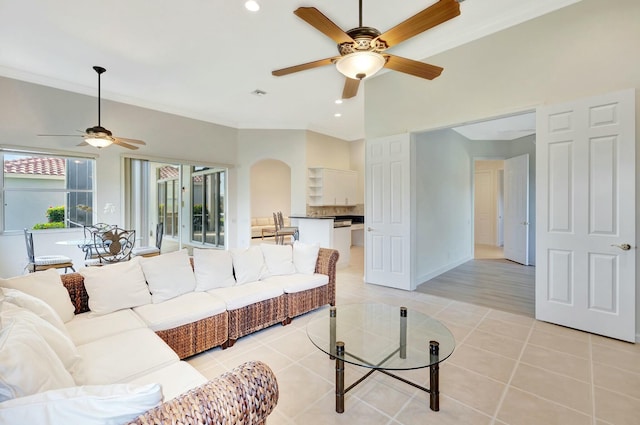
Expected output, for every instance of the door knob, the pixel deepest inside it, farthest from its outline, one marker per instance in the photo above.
(624, 246)
(369, 229)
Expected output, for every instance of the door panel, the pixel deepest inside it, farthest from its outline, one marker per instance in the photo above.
(387, 212)
(585, 275)
(516, 209)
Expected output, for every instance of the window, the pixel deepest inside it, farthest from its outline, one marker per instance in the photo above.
(168, 199)
(207, 189)
(43, 191)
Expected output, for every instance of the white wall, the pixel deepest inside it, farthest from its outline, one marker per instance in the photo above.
(586, 49)
(270, 188)
(357, 155)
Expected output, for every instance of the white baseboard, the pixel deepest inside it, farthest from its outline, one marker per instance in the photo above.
(439, 271)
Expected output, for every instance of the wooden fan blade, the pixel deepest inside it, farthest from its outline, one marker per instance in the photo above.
(434, 15)
(304, 66)
(136, 141)
(119, 142)
(350, 88)
(409, 66)
(316, 19)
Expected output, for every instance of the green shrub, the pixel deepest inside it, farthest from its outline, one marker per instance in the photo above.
(55, 214)
(51, 225)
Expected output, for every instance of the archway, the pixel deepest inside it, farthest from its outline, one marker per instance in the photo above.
(270, 192)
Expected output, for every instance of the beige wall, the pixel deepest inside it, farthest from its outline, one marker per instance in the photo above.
(270, 188)
(328, 152)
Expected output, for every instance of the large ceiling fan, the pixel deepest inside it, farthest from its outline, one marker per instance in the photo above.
(362, 49)
(99, 136)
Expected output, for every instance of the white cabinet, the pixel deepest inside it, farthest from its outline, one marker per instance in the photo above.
(327, 186)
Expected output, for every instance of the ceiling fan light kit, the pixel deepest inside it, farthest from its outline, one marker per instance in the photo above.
(360, 65)
(361, 48)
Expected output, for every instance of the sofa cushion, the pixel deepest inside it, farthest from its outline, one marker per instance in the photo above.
(186, 308)
(47, 286)
(213, 268)
(28, 365)
(87, 405)
(248, 265)
(35, 305)
(87, 327)
(305, 257)
(58, 340)
(122, 357)
(278, 259)
(116, 286)
(242, 295)
(177, 378)
(298, 282)
(169, 275)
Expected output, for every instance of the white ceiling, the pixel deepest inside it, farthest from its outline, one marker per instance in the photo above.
(203, 58)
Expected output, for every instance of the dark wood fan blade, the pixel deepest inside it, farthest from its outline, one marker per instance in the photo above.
(304, 66)
(434, 15)
(409, 66)
(136, 141)
(350, 88)
(119, 142)
(316, 19)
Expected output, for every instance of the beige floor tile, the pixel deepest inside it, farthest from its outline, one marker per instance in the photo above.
(483, 362)
(602, 341)
(622, 359)
(355, 411)
(276, 360)
(451, 412)
(294, 345)
(459, 332)
(561, 331)
(616, 408)
(552, 386)
(617, 380)
(502, 345)
(471, 389)
(511, 318)
(560, 343)
(521, 408)
(296, 392)
(555, 361)
(460, 316)
(507, 329)
(384, 395)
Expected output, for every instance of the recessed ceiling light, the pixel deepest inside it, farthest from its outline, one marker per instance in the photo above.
(338, 101)
(252, 5)
(338, 115)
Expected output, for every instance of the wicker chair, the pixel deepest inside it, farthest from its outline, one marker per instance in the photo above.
(44, 262)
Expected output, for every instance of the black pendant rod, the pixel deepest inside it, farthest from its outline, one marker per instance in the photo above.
(360, 24)
(99, 70)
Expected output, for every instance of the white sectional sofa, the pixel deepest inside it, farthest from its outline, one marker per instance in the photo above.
(123, 329)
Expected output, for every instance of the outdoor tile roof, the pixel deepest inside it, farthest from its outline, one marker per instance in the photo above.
(42, 166)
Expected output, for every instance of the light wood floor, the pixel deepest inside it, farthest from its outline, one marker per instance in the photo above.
(489, 281)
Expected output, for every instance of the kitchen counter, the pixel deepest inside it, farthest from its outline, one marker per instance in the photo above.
(323, 230)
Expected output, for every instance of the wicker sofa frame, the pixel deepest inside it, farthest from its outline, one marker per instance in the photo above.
(246, 395)
(225, 328)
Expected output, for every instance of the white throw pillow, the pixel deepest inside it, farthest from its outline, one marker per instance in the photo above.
(59, 341)
(28, 365)
(278, 259)
(116, 286)
(248, 265)
(305, 257)
(168, 275)
(86, 405)
(47, 286)
(35, 305)
(213, 268)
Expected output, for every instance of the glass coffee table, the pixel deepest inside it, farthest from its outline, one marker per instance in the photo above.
(382, 338)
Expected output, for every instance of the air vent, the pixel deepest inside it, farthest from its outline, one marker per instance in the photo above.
(258, 92)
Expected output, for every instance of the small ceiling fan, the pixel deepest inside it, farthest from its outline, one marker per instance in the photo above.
(362, 49)
(99, 136)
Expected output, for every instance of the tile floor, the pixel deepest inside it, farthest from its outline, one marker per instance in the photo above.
(506, 370)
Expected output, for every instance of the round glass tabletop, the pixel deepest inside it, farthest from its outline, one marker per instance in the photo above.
(381, 336)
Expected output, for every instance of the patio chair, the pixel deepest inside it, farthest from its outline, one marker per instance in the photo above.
(151, 251)
(113, 246)
(44, 262)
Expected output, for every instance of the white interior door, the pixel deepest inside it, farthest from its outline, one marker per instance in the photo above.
(388, 212)
(586, 251)
(516, 209)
